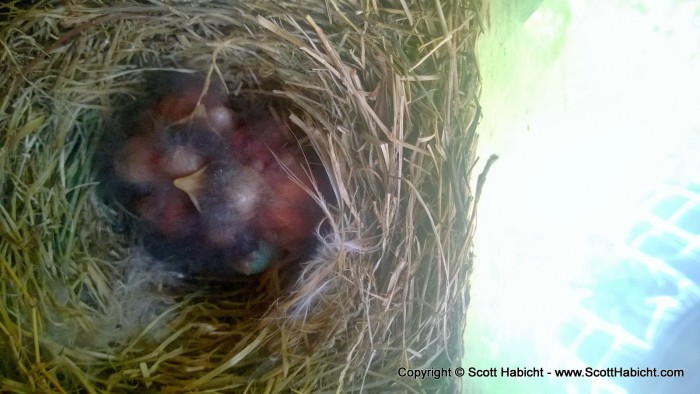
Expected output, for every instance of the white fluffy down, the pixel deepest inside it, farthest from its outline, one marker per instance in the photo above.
(137, 309)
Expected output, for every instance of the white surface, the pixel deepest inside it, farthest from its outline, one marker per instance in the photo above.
(585, 116)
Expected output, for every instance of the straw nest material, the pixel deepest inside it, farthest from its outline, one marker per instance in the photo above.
(385, 91)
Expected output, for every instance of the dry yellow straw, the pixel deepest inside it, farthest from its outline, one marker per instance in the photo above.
(385, 91)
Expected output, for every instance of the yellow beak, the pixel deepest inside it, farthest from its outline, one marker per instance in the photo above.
(192, 185)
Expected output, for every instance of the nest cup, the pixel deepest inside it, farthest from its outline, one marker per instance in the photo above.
(386, 94)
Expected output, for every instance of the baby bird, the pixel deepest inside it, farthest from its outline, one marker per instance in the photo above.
(271, 191)
(232, 186)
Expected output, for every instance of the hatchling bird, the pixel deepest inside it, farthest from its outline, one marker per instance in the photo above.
(232, 186)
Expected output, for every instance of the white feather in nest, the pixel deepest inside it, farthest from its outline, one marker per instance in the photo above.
(137, 309)
(317, 277)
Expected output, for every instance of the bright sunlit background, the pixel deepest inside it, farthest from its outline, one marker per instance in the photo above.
(589, 104)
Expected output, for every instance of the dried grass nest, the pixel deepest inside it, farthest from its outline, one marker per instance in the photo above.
(385, 91)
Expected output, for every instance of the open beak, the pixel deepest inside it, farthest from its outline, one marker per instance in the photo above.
(192, 185)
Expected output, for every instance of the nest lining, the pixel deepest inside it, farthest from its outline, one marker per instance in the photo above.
(387, 95)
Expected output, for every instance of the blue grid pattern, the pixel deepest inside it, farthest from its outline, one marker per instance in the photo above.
(642, 295)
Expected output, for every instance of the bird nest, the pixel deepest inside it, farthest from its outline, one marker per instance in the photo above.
(385, 92)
